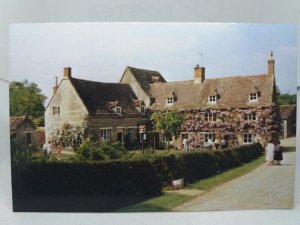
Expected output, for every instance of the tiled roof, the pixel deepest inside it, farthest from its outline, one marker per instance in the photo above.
(101, 98)
(287, 110)
(232, 92)
(146, 77)
(15, 122)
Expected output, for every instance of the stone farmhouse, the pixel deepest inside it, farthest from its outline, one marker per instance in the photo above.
(239, 109)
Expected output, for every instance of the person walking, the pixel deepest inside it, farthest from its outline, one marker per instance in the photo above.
(278, 153)
(270, 148)
(48, 149)
(185, 143)
(209, 144)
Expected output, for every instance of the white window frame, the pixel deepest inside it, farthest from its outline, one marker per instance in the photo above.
(212, 99)
(253, 97)
(209, 136)
(105, 134)
(249, 138)
(55, 110)
(170, 101)
(118, 110)
(251, 116)
(210, 117)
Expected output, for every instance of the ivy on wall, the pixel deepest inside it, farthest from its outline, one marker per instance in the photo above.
(230, 121)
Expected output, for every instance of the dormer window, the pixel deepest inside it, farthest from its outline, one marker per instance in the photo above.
(253, 97)
(212, 99)
(118, 110)
(170, 101)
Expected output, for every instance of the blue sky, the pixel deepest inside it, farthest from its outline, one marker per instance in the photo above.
(101, 51)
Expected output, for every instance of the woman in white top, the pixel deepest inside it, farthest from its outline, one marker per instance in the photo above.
(270, 153)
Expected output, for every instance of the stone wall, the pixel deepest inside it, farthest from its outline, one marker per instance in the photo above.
(115, 123)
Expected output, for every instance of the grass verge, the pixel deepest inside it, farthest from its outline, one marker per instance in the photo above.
(162, 203)
(213, 181)
(167, 201)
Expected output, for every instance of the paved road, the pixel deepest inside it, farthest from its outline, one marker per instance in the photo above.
(266, 187)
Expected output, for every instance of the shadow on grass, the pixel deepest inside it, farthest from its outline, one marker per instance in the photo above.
(74, 203)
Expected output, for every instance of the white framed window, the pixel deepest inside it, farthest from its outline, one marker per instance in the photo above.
(210, 117)
(56, 110)
(249, 138)
(142, 109)
(212, 99)
(251, 116)
(253, 97)
(118, 110)
(210, 136)
(105, 134)
(170, 101)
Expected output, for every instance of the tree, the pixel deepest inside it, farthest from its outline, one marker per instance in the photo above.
(287, 99)
(168, 124)
(26, 99)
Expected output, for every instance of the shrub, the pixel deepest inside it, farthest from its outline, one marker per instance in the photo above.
(94, 151)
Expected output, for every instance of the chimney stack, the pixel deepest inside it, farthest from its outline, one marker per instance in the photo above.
(55, 86)
(199, 74)
(271, 64)
(67, 72)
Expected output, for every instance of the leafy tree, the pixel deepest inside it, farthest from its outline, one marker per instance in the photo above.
(287, 99)
(168, 123)
(26, 99)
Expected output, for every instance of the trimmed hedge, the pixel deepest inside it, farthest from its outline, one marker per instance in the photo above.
(132, 177)
(81, 178)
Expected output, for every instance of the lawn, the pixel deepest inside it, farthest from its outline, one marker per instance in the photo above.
(162, 203)
(54, 157)
(170, 200)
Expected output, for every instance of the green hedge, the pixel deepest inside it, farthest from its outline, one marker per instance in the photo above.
(131, 177)
(200, 164)
(82, 178)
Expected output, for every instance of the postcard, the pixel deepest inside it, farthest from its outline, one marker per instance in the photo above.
(152, 117)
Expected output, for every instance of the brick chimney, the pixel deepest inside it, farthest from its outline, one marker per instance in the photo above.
(67, 72)
(199, 74)
(271, 64)
(55, 86)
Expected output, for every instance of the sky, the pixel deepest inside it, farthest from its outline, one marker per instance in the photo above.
(101, 51)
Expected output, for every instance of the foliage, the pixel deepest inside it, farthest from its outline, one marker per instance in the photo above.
(287, 99)
(115, 178)
(26, 99)
(95, 151)
(69, 136)
(20, 153)
(169, 123)
(230, 121)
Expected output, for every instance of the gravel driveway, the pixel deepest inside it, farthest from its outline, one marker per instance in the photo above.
(266, 187)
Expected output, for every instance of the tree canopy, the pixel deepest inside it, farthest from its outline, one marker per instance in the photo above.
(168, 123)
(287, 99)
(26, 99)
